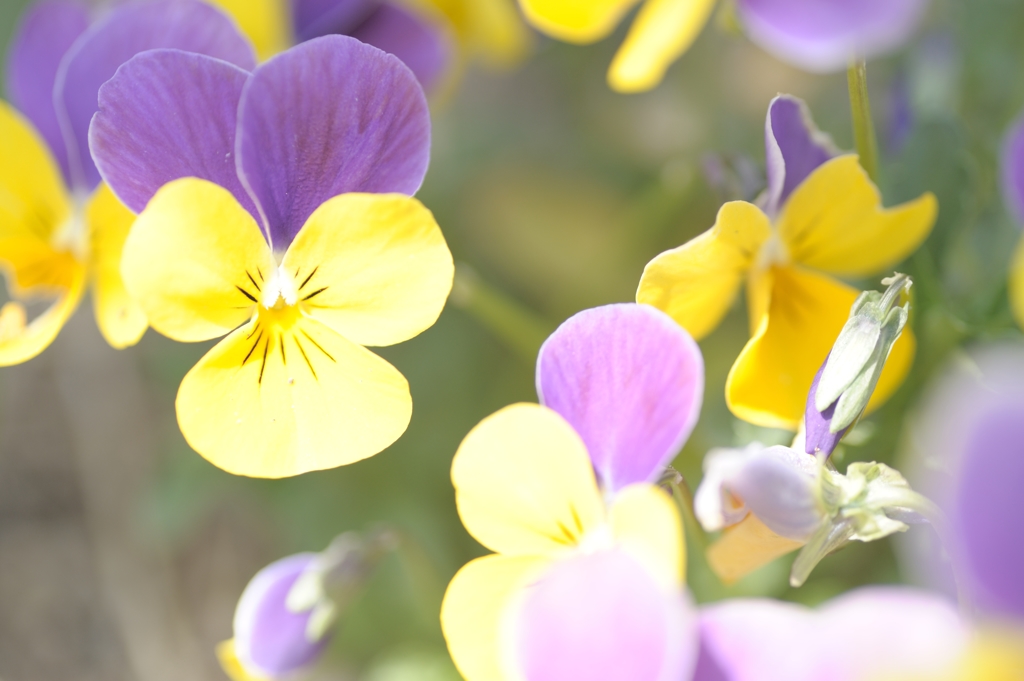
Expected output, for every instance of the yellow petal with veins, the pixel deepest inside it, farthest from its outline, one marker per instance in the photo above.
(475, 606)
(284, 395)
(663, 30)
(834, 221)
(769, 381)
(697, 282)
(122, 322)
(20, 339)
(267, 23)
(230, 664)
(524, 483)
(195, 261)
(646, 523)
(373, 267)
(576, 21)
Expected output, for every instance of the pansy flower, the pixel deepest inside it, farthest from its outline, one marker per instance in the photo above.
(585, 578)
(61, 229)
(420, 34)
(275, 209)
(1013, 193)
(820, 217)
(817, 35)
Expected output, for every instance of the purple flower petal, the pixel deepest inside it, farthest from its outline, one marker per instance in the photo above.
(603, 617)
(47, 30)
(131, 28)
(1013, 169)
(777, 485)
(268, 636)
(168, 114)
(420, 43)
(817, 436)
(329, 117)
(794, 148)
(317, 18)
(630, 381)
(825, 35)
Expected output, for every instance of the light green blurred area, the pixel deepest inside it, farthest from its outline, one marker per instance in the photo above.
(555, 192)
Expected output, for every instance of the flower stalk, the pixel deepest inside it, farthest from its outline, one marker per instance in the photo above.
(860, 110)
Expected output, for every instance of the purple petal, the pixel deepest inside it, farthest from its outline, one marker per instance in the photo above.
(269, 636)
(168, 114)
(47, 30)
(794, 148)
(777, 485)
(329, 117)
(420, 43)
(630, 381)
(817, 436)
(825, 35)
(317, 18)
(1013, 169)
(131, 28)
(603, 617)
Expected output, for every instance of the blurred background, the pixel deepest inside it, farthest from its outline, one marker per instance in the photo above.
(123, 553)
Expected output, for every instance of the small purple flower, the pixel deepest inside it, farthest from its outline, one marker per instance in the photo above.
(630, 381)
(826, 35)
(817, 435)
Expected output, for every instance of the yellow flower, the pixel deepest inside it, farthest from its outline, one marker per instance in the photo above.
(832, 223)
(53, 245)
(662, 31)
(525, 488)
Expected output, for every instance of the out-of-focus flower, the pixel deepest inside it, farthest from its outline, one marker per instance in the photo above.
(587, 571)
(774, 500)
(289, 611)
(969, 439)
(292, 230)
(61, 229)
(820, 213)
(1013, 194)
(422, 33)
(827, 35)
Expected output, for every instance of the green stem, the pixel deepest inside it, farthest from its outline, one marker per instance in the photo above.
(863, 126)
(522, 330)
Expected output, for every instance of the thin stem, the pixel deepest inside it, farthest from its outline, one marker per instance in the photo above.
(863, 126)
(522, 330)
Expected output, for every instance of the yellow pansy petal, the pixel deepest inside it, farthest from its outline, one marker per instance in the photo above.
(492, 29)
(474, 606)
(769, 381)
(21, 341)
(119, 317)
(646, 523)
(284, 396)
(834, 221)
(576, 21)
(745, 547)
(1017, 284)
(697, 282)
(524, 483)
(373, 267)
(194, 261)
(230, 664)
(267, 23)
(663, 30)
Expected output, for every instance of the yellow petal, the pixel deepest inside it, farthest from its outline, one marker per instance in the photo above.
(194, 261)
(285, 395)
(769, 381)
(1017, 284)
(474, 608)
(267, 23)
(834, 221)
(119, 317)
(576, 21)
(646, 523)
(524, 483)
(373, 267)
(745, 547)
(697, 282)
(492, 29)
(663, 30)
(230, 664)
(20, 342)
